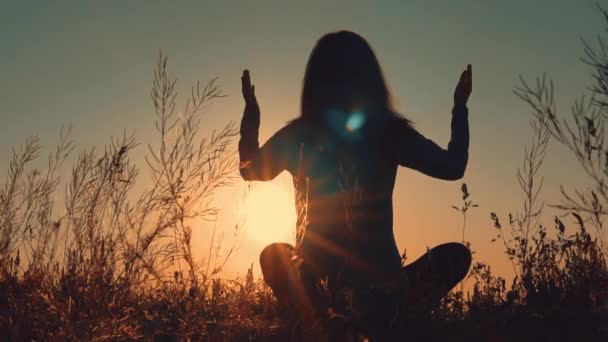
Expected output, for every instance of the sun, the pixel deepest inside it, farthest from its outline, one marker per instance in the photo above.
(269, 213)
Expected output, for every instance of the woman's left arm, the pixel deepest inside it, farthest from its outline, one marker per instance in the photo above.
(426, 156)
(422, 154)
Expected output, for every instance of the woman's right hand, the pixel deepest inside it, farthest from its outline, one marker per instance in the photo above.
(247, 88)
(464, 87)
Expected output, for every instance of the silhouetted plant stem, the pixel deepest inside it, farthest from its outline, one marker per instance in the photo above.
(467, 203)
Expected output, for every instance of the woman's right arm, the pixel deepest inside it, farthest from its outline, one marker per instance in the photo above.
(265, 163)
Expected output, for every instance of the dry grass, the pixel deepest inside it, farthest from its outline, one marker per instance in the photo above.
(113, 257)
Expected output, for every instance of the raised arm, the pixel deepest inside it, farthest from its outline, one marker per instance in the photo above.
(417, 152)
(257, 163)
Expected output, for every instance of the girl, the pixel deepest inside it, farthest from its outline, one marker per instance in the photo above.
(343, 152)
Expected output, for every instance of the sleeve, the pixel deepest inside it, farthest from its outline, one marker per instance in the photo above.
(419, 153)
(265, 163)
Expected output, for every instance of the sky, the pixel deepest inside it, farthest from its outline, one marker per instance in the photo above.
(90, 65)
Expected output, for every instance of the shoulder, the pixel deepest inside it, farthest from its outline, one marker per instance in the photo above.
(287, 135)
(295, 132)
(397, 128)
(399, 137)
(286, 141)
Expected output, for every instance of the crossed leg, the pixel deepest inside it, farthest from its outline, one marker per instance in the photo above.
(275, 261)
(426, 280)
(436, 272)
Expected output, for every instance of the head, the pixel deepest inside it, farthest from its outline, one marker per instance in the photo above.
(343, 77)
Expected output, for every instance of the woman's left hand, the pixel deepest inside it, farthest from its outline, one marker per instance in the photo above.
(247, 88)
(464, 87)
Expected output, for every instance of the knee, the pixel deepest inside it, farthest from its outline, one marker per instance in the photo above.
(462, 258)
(275, 254)
(274, 261)
(458, 255)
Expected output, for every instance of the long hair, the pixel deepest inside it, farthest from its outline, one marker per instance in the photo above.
(343, 74)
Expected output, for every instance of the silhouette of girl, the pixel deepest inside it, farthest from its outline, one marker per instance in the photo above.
(343, 153)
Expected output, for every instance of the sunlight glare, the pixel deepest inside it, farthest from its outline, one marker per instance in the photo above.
(269, 213)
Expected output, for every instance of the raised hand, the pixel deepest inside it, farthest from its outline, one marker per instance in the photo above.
(247, 88)
(464, 87)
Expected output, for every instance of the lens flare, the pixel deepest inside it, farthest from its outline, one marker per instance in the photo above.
(355, 121)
